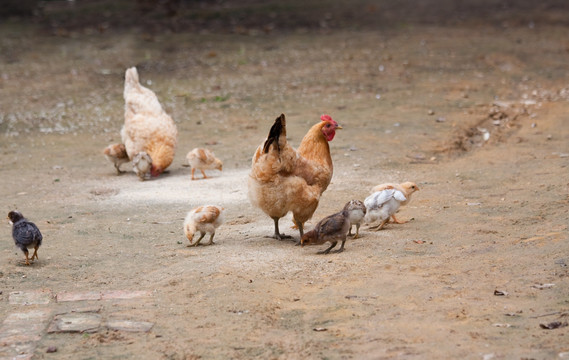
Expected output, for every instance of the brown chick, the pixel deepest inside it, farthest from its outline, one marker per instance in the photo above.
(332, 228)
(356, 212)
(116, 153)
(203, 159)
(407, 188)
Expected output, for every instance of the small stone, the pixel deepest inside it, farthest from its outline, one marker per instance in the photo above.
(431, 112)
(51, 349)
(75, 322)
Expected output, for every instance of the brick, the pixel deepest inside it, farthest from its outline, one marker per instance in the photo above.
(124, 294)
(33, 297)
(78, 296)
(20, 333)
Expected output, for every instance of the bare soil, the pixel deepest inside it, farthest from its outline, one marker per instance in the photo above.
(470, 102)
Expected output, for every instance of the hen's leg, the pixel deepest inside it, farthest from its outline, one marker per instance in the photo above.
(203, 173)
(119, 171)
(277, 235)
(328, 250)
(193, 170)
(397, 221)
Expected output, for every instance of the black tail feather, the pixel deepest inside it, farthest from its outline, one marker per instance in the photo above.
(278, 128)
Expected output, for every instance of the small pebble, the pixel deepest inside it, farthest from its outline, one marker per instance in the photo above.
(431, 112)
(51, 349)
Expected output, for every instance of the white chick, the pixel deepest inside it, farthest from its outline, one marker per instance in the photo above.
(205, 219)
(381, 205)
(116, 153)
(356, 212)
(407, 188)
(203, 159)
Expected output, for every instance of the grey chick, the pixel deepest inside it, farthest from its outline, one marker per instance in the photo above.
(332, 228)
(356, 212)
(25, 233)
(116, 153)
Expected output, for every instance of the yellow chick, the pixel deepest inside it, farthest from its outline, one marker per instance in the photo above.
(203, 159)
(205, 219)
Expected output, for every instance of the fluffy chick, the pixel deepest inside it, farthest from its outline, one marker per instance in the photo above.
(381, 205)
(407, 188)
(332, 228)
(356, 212)
(142, 165)
(205, 219)
(26, 234)
(203, 159)
(116, 153)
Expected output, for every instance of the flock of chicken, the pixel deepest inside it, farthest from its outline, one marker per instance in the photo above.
(282, 179)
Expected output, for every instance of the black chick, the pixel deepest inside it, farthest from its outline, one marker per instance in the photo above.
(332, 228)
(26, 234)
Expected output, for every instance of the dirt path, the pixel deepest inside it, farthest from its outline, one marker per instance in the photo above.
(115, 262)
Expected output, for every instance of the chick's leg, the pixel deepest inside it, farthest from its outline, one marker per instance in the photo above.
(27, 258)
(328, 250)
(382, 224)
(341, 247)
(35, 253)
(357, 231)
(397, 221)
(203, 173)
(211, 239)
(200, 239)
(350, 231)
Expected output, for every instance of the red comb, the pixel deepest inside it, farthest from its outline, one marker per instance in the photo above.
(326, 118)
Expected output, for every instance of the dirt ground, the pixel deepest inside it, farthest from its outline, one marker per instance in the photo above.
(469, 102)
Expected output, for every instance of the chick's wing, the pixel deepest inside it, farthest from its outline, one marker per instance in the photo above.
(332, 224)
(26, 233)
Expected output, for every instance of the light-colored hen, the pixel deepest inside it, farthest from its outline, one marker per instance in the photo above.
(147, 128)
(203, 159)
